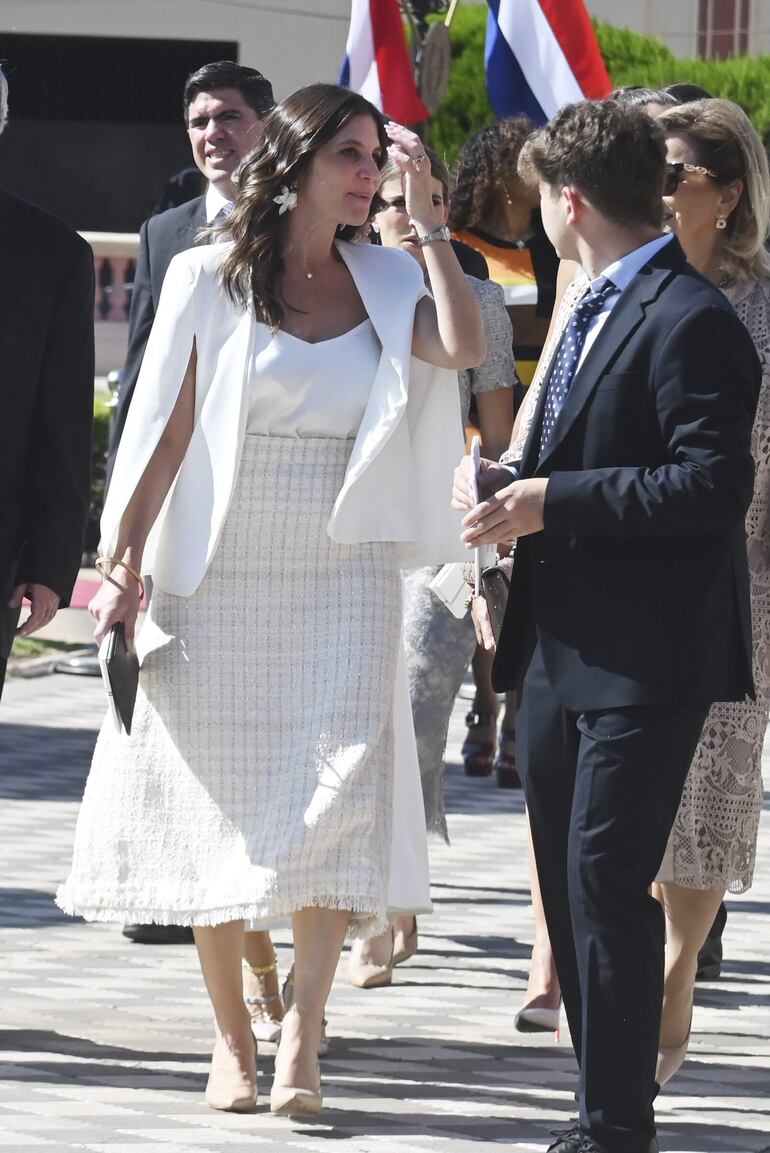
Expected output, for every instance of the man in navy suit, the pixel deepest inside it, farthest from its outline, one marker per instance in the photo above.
(628, 612)
(224, 106)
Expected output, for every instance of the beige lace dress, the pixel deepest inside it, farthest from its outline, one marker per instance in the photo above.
(714, 838)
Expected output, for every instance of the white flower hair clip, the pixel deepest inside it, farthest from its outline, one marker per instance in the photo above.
(286, 199)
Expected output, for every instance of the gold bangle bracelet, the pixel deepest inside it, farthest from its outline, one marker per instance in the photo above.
(101, 561)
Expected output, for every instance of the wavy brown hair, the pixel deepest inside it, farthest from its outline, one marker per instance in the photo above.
(291, 135)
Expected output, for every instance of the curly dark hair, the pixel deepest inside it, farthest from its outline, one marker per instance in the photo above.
(486, 165)
(291, 135)
(614, 153)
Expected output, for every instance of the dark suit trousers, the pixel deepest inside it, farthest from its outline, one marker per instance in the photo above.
(9, 618)
(602, 789)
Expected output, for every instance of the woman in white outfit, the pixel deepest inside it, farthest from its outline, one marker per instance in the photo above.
(283, 457)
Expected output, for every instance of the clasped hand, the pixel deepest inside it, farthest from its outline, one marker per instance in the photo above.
(117, 600)
(509, 508)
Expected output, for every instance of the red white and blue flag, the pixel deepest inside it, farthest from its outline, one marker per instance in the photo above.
(541, 55)
(377, 61)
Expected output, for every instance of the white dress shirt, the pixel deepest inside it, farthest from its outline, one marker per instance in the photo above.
(621, 272)
(215, 202)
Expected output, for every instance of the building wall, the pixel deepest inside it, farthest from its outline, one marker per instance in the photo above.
(681, 24)
(675, 22)
(106, 176)
(291, 41)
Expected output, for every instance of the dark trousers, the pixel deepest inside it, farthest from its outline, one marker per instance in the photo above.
(9, 618)
(602, 789)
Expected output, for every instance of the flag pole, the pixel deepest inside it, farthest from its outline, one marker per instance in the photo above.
(406, 8)
(450, 14)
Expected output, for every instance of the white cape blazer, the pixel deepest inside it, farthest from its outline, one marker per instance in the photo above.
(398, 482)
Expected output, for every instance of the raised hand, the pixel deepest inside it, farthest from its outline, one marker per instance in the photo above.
(408, 152)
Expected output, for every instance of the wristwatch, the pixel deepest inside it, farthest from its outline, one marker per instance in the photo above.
(442, 233)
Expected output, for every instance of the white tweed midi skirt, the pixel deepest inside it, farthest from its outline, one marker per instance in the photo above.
(259, 775)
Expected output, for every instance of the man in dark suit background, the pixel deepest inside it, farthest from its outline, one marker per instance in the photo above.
(224, 105)
(46, 403)
(629, 608)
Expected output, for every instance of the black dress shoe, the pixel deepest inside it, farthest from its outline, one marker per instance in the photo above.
(590, 1146)
(159, 934)
(567, 1140)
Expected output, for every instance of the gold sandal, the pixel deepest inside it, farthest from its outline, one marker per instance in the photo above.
(266, 1010)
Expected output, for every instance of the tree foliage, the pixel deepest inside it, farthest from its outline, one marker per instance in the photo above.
(631, 58)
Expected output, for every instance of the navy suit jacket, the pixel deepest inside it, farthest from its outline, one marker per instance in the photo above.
(46, 402)
(637, 589)
(160, 239)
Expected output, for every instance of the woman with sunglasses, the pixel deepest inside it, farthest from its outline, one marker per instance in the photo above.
(717, 202)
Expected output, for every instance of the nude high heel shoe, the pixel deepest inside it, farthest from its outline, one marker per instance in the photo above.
(536, 1019)
(368, 974)
(671, 1060)
(290, 1101)
(226, 1090)
(294, 1100)
(404, 944)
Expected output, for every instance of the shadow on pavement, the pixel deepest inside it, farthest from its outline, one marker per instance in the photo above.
(48, 1041)
(40, 763)
(478, 1085)
(30, 909)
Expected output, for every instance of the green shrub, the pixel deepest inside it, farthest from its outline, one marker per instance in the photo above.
(101, 438)
(631, 58)
(465, 109)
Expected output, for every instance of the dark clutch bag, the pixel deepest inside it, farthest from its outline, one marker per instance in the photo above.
(120, 673)
(495, 586)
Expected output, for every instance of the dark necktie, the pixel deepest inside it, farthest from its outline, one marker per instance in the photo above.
(565, 363)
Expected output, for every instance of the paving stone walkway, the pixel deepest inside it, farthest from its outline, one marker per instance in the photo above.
(104, 1044)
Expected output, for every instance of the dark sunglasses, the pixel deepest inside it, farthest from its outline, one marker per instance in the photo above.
(675, 173)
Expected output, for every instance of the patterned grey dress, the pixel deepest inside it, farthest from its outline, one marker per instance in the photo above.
(439, 647)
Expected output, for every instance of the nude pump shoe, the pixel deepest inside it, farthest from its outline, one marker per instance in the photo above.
(404, 944)
(671, 1060)
(292, 1100)
(289, 1101)
(232, 1094)
(368, 974)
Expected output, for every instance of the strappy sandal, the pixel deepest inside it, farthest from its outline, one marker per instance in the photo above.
(505, 761)
(478, 756)
(266, 1009)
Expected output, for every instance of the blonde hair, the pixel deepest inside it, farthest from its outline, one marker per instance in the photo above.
(724, 140)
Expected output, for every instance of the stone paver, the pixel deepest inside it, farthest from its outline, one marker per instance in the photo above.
(104, 1045)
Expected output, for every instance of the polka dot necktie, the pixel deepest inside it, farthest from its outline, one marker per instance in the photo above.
(565, 363)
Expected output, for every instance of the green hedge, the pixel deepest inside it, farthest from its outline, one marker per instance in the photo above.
(101, 437)
(630, 58)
